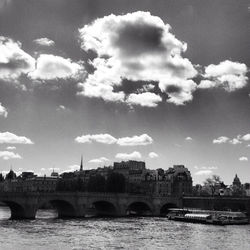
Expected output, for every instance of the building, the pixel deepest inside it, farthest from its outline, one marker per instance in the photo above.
(237, 187)
(246, 188)
(134, 173)
(180, 181)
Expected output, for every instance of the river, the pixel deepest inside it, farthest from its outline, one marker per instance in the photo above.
(48, 232)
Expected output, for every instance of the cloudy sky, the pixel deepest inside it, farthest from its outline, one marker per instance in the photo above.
(166, 82)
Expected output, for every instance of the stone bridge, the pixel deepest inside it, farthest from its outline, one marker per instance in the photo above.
(79, 204)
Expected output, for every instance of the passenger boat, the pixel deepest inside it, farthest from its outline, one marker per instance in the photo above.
(208, 216)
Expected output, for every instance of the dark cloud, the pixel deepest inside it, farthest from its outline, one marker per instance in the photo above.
(15, 63)
(173, 89)
(139, 38)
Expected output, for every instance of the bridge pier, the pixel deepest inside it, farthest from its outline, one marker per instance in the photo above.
(24, 212)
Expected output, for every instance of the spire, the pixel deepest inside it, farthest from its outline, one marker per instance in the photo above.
(81, 164)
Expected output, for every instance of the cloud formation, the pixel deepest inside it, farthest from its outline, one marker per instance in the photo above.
(6, 155)
(10, 138)
(3, 111)
(141, 140)
(101, 138)
(204, 172)
(246, 137)
(72, 168)
(137, 47)
(153, 155)
(220, 140)
(13, 60)
(11, 148)
(146, 99)
(188, 138)
(50, 67)
(129, 156)
(100, 160)
(227, 74)
(44, 41)
(243, 158)
(235, 141)
(136, 140)
(238, 140)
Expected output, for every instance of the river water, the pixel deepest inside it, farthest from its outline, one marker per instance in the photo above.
(48, 232)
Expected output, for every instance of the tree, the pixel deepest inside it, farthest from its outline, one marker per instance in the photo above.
(211, 184)
(116, 183)
(96, 183)
(11, 175)
(1, 177)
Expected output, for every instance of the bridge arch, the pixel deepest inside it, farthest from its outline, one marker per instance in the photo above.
(64, 208)
(139, 208)
(17, 210)
(104, 208)
(164, 210)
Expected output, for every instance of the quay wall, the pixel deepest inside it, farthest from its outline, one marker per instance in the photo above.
(218, 203)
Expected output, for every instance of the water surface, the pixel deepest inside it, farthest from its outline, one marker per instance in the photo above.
(48, 232)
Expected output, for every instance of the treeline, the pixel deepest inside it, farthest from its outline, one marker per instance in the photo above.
(115, 183)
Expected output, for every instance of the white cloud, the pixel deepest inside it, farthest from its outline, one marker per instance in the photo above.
(3, 110)
(99, 160)
(141, 140)
(138, 47)
(188, 138)
(180, 91)
(44, 41)
(235, 141)
(11, 148)
(220, 140)
(10, 138)
(243, 158)
(96, 161)
(104, 159)
(72, 168)
(145, 99)
(207, 84)
(203, 172)
(61, 107)
(13, 60)
(205, 167)
(50, 67)
(6, 155)
(153, 155)
(246, 137)
(101, 138)
(132, 156)
(227, 74)
(103, 91)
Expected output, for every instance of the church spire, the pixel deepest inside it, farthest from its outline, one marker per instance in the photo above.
(81, 167)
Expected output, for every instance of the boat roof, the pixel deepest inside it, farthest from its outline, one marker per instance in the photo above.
(197, 211)
(197, 215)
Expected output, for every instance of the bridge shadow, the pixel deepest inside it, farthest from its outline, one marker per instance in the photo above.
(62, 208)
(16, 210)
(139, 209)
(103, 209)
(165, 208)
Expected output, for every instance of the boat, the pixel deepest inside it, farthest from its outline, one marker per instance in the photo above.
(207, 216)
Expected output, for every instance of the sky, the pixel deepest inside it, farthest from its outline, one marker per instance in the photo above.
(165, 82)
